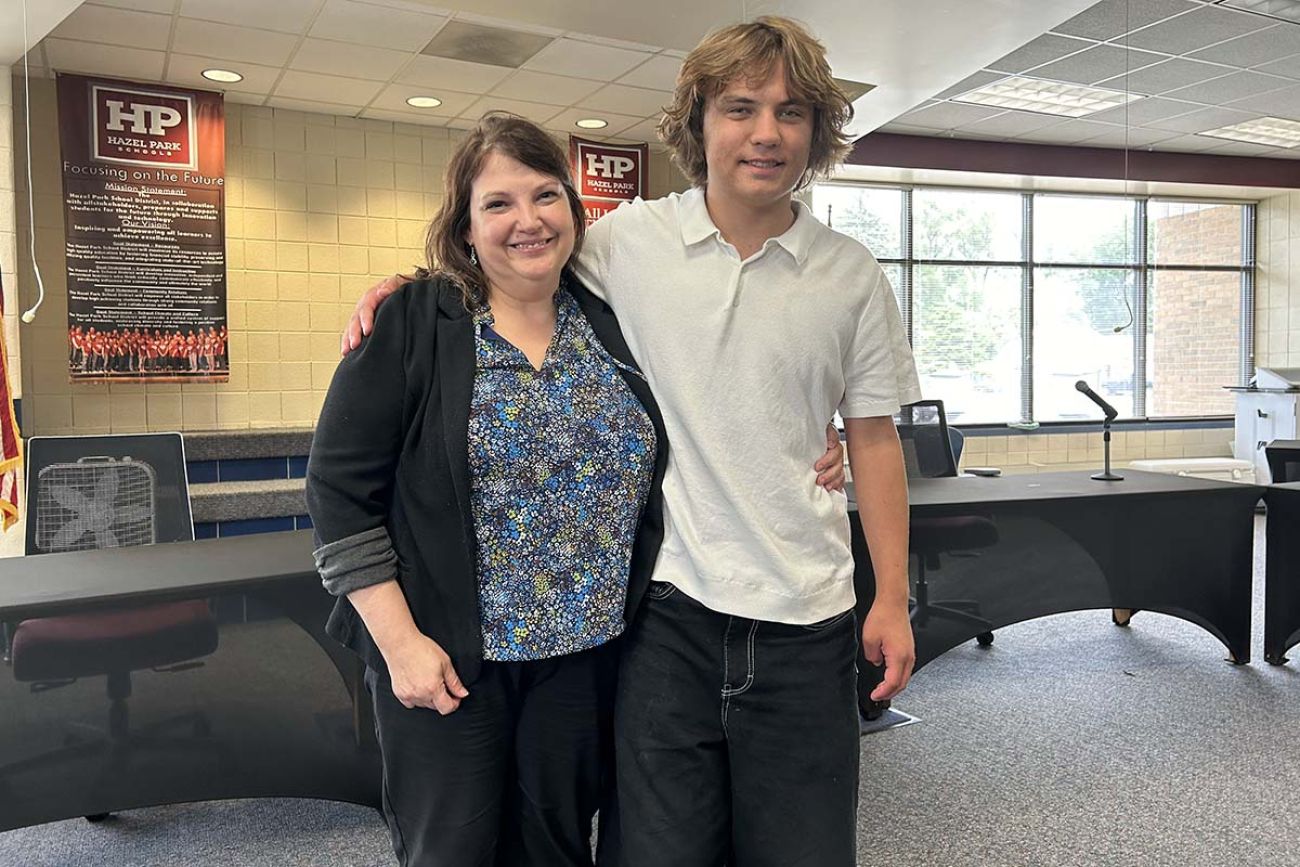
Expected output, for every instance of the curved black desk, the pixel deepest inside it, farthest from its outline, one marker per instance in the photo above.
(1282, 572)
(275, 698)
(1177, 545)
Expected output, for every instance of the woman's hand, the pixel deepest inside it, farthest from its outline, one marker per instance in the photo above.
(423, 676)
(830, 466)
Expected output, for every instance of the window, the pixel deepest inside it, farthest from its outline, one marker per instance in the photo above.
(1010, 298)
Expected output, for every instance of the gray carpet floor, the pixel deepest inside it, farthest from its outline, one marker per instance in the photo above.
(1069, 742)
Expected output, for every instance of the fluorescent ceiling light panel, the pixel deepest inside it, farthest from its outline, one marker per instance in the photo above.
(1046, 97)
(423, 101)
(1286, 10)
(591, 123)
(1275, 131)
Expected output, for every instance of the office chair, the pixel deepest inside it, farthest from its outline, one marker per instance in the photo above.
(930, 450)
(1283, 461)
(109, 500)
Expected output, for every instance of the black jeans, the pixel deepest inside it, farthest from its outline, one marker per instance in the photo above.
(736, 740)
(510, 779)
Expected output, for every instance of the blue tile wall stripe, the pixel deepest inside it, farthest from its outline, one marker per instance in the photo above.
(251, 469)
(201, 472)
(303, 522)
(205, 530)
(255, 525)
(298, 467)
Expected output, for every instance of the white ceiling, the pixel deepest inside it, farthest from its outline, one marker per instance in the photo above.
(616, 59)
(1198, 64)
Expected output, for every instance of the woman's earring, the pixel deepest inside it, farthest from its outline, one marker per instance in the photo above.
(473, 255)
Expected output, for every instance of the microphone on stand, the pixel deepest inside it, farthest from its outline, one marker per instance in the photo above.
(1110, 411)
(1105, 475)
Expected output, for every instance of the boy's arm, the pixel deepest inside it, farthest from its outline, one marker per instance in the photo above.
(876, 459)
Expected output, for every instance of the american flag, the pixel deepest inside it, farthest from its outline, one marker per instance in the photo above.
(11, 444)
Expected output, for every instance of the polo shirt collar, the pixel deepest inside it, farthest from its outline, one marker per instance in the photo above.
(696, 225)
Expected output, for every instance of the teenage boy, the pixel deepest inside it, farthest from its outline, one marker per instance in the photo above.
(736, 728)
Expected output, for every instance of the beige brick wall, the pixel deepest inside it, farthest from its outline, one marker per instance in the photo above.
(1277, 303)
(317, 208)
(1025, 453)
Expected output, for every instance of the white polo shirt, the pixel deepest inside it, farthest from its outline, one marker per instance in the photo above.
(749, 360)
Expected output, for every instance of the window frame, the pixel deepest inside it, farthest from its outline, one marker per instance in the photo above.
(1142, 267)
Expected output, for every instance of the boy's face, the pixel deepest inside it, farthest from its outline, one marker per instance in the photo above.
(756, 141)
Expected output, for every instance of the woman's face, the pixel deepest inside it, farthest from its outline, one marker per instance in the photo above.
(520, 225)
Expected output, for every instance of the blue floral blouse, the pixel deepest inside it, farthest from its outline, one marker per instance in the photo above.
(560, 463)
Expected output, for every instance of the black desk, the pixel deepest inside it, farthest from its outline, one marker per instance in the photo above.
(276, 695)
(1282, 572)
(1177, 545)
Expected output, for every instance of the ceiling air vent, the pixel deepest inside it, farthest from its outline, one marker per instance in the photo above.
(479, 43)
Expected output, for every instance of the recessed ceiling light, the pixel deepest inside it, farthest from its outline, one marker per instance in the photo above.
(591, 123)
(423, 101)
(223, 75)
(1046, 97)
(1286, 10)
(1275, 131)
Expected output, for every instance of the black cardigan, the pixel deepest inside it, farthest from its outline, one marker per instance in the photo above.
(391, 450)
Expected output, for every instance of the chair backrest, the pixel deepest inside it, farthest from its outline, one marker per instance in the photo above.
(924, 433)
(1283, 460)
(114, 491)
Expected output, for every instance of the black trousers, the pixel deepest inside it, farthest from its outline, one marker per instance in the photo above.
(736, 740)
(510, 779)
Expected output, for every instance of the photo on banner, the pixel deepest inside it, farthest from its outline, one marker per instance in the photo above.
(608, 174)
(144, 211)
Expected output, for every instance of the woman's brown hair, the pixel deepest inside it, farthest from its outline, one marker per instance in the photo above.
(521, 140)
(753, 50)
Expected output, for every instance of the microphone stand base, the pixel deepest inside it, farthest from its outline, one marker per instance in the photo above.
(1107, 477)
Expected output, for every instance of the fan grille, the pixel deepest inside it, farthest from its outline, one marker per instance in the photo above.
(106, 504)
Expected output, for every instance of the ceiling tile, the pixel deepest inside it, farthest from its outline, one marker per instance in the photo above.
(411, 117)
(1273, 43)
(947, 115)
(163, 6)
(628, 100)
(1143, 111)
(1278, 103)
(657, 73)
(1197, 29)
(1199, 121)
(904, 129)
(1044, 49)
(1241, 149)
(1069, 132)
(1130, 138)
(585, 60)
(1238, 85)
(394, 96)
(441, 72)
(541, 87)
(207, 39)
(1096, 64)
(397, 29)
(1009, 124)
(563, 122)
(1290, 67)
(536, 112)
(1188, 144)
(187, 69)
(359, 61)
(645, 131)
(313, 106)
(326, 88)
(106, 26)
(288, 16)
(616, 43)
(109, 60)
(969, 83)
(1111, 18)
(1170, 75)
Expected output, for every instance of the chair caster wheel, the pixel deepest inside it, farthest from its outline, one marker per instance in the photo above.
(1275, 659)
(1122, 616)
(985, 639)
(96, 818)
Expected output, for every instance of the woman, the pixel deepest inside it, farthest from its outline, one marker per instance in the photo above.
(484, 481)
